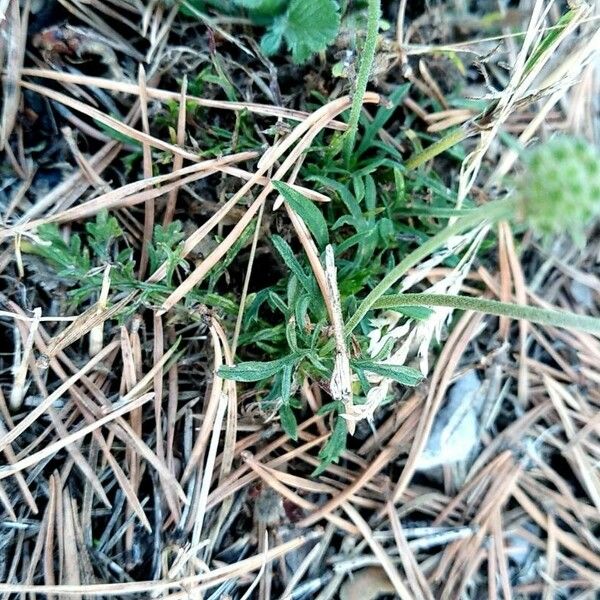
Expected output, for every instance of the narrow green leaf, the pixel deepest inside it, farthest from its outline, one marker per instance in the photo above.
(276, 302)
(330, 407)
(306, 210)
(290, 334)
(549, 39)
(255, 370)
(382, 116)
(286, 383)
(116, 135)
(345, 194)
(288, 421)
(336, 444)
(291, 261)
(301, 310)
(399, 373)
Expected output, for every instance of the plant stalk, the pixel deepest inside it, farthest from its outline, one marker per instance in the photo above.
(556, 318)
(366, 63)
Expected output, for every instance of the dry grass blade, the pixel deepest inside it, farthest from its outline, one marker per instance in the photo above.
(270, 478)
(120, 127)
(567, 540)
(14, 433)
(19, 389)
(586, 469)
(177, 159)
(133, 193)
(417, 581)
(16, 35)
(33, 459)
(379, 552)
(85, 322)
(147, 170)
(11, 459)
(405, 432)
(73, 186)
(447, 362)
(214, 411)
(156, 94)
(70, 558)
(200, 581)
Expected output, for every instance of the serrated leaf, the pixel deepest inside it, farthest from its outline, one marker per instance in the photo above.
(306, 210)
(271, 41)
(310, 26)
(404, 375)
(102, 232)
(288, 421)
(256, 370)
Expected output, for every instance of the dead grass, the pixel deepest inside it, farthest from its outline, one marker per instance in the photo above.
(131, 469)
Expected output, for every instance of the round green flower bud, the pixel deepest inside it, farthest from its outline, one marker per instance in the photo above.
(559, 189)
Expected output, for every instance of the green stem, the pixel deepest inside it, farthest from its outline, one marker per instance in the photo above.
(491, 212)
(366, 62)
(453, 138)
(556, 318)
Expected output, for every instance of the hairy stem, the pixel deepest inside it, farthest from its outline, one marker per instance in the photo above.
(556, 318)
(366, 62)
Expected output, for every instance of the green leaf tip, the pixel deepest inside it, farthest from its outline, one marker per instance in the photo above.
(306, 210)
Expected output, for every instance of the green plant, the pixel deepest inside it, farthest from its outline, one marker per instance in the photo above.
(306, 26)
(540, 201)
(80, 261)
(287, 334)
(375, 230)
(364, 71)
(306, 336)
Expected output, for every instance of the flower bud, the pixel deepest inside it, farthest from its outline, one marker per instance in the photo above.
(559, 189)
